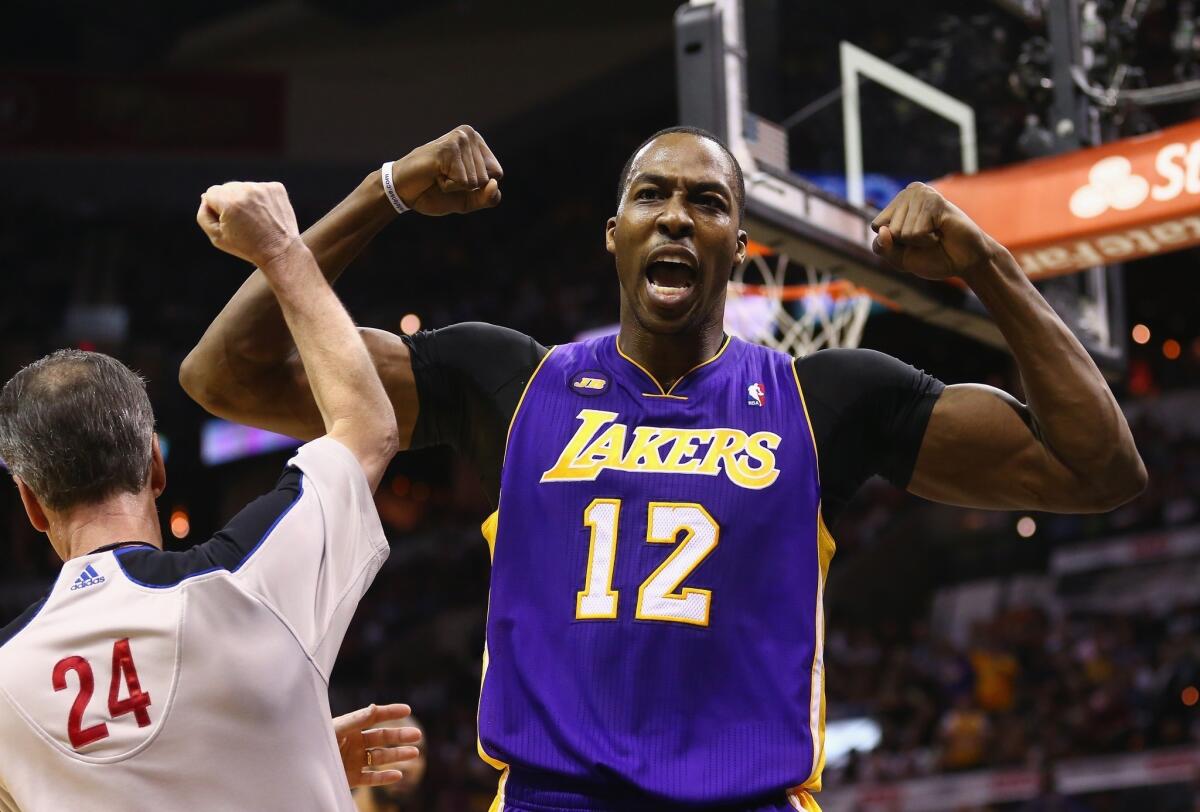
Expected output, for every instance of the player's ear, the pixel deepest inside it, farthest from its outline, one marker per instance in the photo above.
(610, 235)
(33, 508)
(158, 469)
(743, 242)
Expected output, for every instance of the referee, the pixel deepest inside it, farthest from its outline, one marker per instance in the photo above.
(152, 680)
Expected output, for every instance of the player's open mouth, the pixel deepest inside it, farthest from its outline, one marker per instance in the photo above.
(670, 280)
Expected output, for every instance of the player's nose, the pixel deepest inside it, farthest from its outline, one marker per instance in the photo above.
(674, 221)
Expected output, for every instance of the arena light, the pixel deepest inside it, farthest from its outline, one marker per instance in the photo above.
(180, 524)
(1171, 349)
(410, 323)
(1189, 696)
(1140, 334)
(222, 441)
(861, 735)
(1026, 527)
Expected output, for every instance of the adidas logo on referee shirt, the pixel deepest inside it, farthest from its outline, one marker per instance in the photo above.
(89, 577)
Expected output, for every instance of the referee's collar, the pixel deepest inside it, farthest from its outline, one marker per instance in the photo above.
(116, 545)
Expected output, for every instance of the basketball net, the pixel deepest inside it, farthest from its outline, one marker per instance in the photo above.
(816, 311)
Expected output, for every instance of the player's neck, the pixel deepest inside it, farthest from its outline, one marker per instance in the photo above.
(124, 517)
(669, 356)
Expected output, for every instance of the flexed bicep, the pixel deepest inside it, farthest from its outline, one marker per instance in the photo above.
(279, 399)
(983, 449)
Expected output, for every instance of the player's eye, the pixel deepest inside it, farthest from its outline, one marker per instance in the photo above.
(715, 202)
(647, 193)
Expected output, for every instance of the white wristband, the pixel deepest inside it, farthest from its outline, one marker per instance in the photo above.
(389, 188)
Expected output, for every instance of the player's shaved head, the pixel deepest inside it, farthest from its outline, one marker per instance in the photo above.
(77, 427)
(737, 181)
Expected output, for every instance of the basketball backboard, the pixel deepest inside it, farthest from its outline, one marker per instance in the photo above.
(731, 55)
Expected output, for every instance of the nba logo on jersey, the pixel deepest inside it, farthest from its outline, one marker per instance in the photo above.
(755, 394)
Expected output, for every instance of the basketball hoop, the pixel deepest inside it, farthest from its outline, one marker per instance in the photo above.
(813, 312)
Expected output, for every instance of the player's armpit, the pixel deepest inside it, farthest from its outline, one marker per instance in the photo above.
(278, 398)
(982, 449)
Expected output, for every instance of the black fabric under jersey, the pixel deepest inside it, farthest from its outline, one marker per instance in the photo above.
(868, 410)
(228, 550)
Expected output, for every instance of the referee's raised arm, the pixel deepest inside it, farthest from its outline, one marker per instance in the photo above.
(255, 221)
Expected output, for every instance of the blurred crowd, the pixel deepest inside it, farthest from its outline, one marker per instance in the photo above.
(1025, 689)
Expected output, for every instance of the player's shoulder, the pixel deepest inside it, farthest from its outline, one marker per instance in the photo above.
(483, 357)
(836, 358)
(465, 340)
(856, 367)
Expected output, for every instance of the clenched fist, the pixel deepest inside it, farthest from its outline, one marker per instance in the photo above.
(253, 221)
(457, 173)
(926, 235)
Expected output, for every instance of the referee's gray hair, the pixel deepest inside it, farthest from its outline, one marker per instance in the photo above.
(77, 427)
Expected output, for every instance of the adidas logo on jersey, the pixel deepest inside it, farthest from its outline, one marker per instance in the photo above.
(89, 577)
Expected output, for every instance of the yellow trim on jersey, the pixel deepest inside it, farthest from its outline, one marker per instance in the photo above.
(661, 391)
(801, 800)
(498, 801)
(489, 529)
(826, 547)
(492, 762)
(807, 419)
(521, 399)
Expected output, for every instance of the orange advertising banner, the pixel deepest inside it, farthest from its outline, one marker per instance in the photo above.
(1107, 204)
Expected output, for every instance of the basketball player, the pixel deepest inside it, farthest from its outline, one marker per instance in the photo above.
(655, 628)
(152, 680)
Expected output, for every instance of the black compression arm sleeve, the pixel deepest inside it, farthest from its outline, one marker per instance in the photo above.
(469, 378)
(869, 412)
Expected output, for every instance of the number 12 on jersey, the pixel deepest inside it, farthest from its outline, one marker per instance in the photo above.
(660, 597)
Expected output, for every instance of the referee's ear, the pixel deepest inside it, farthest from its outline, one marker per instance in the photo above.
(158, 469)
(33, 508)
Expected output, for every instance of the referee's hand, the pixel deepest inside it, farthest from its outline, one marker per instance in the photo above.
(253, 221)
(365, 749)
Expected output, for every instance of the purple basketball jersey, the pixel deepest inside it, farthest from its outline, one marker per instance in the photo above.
(658, 561)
